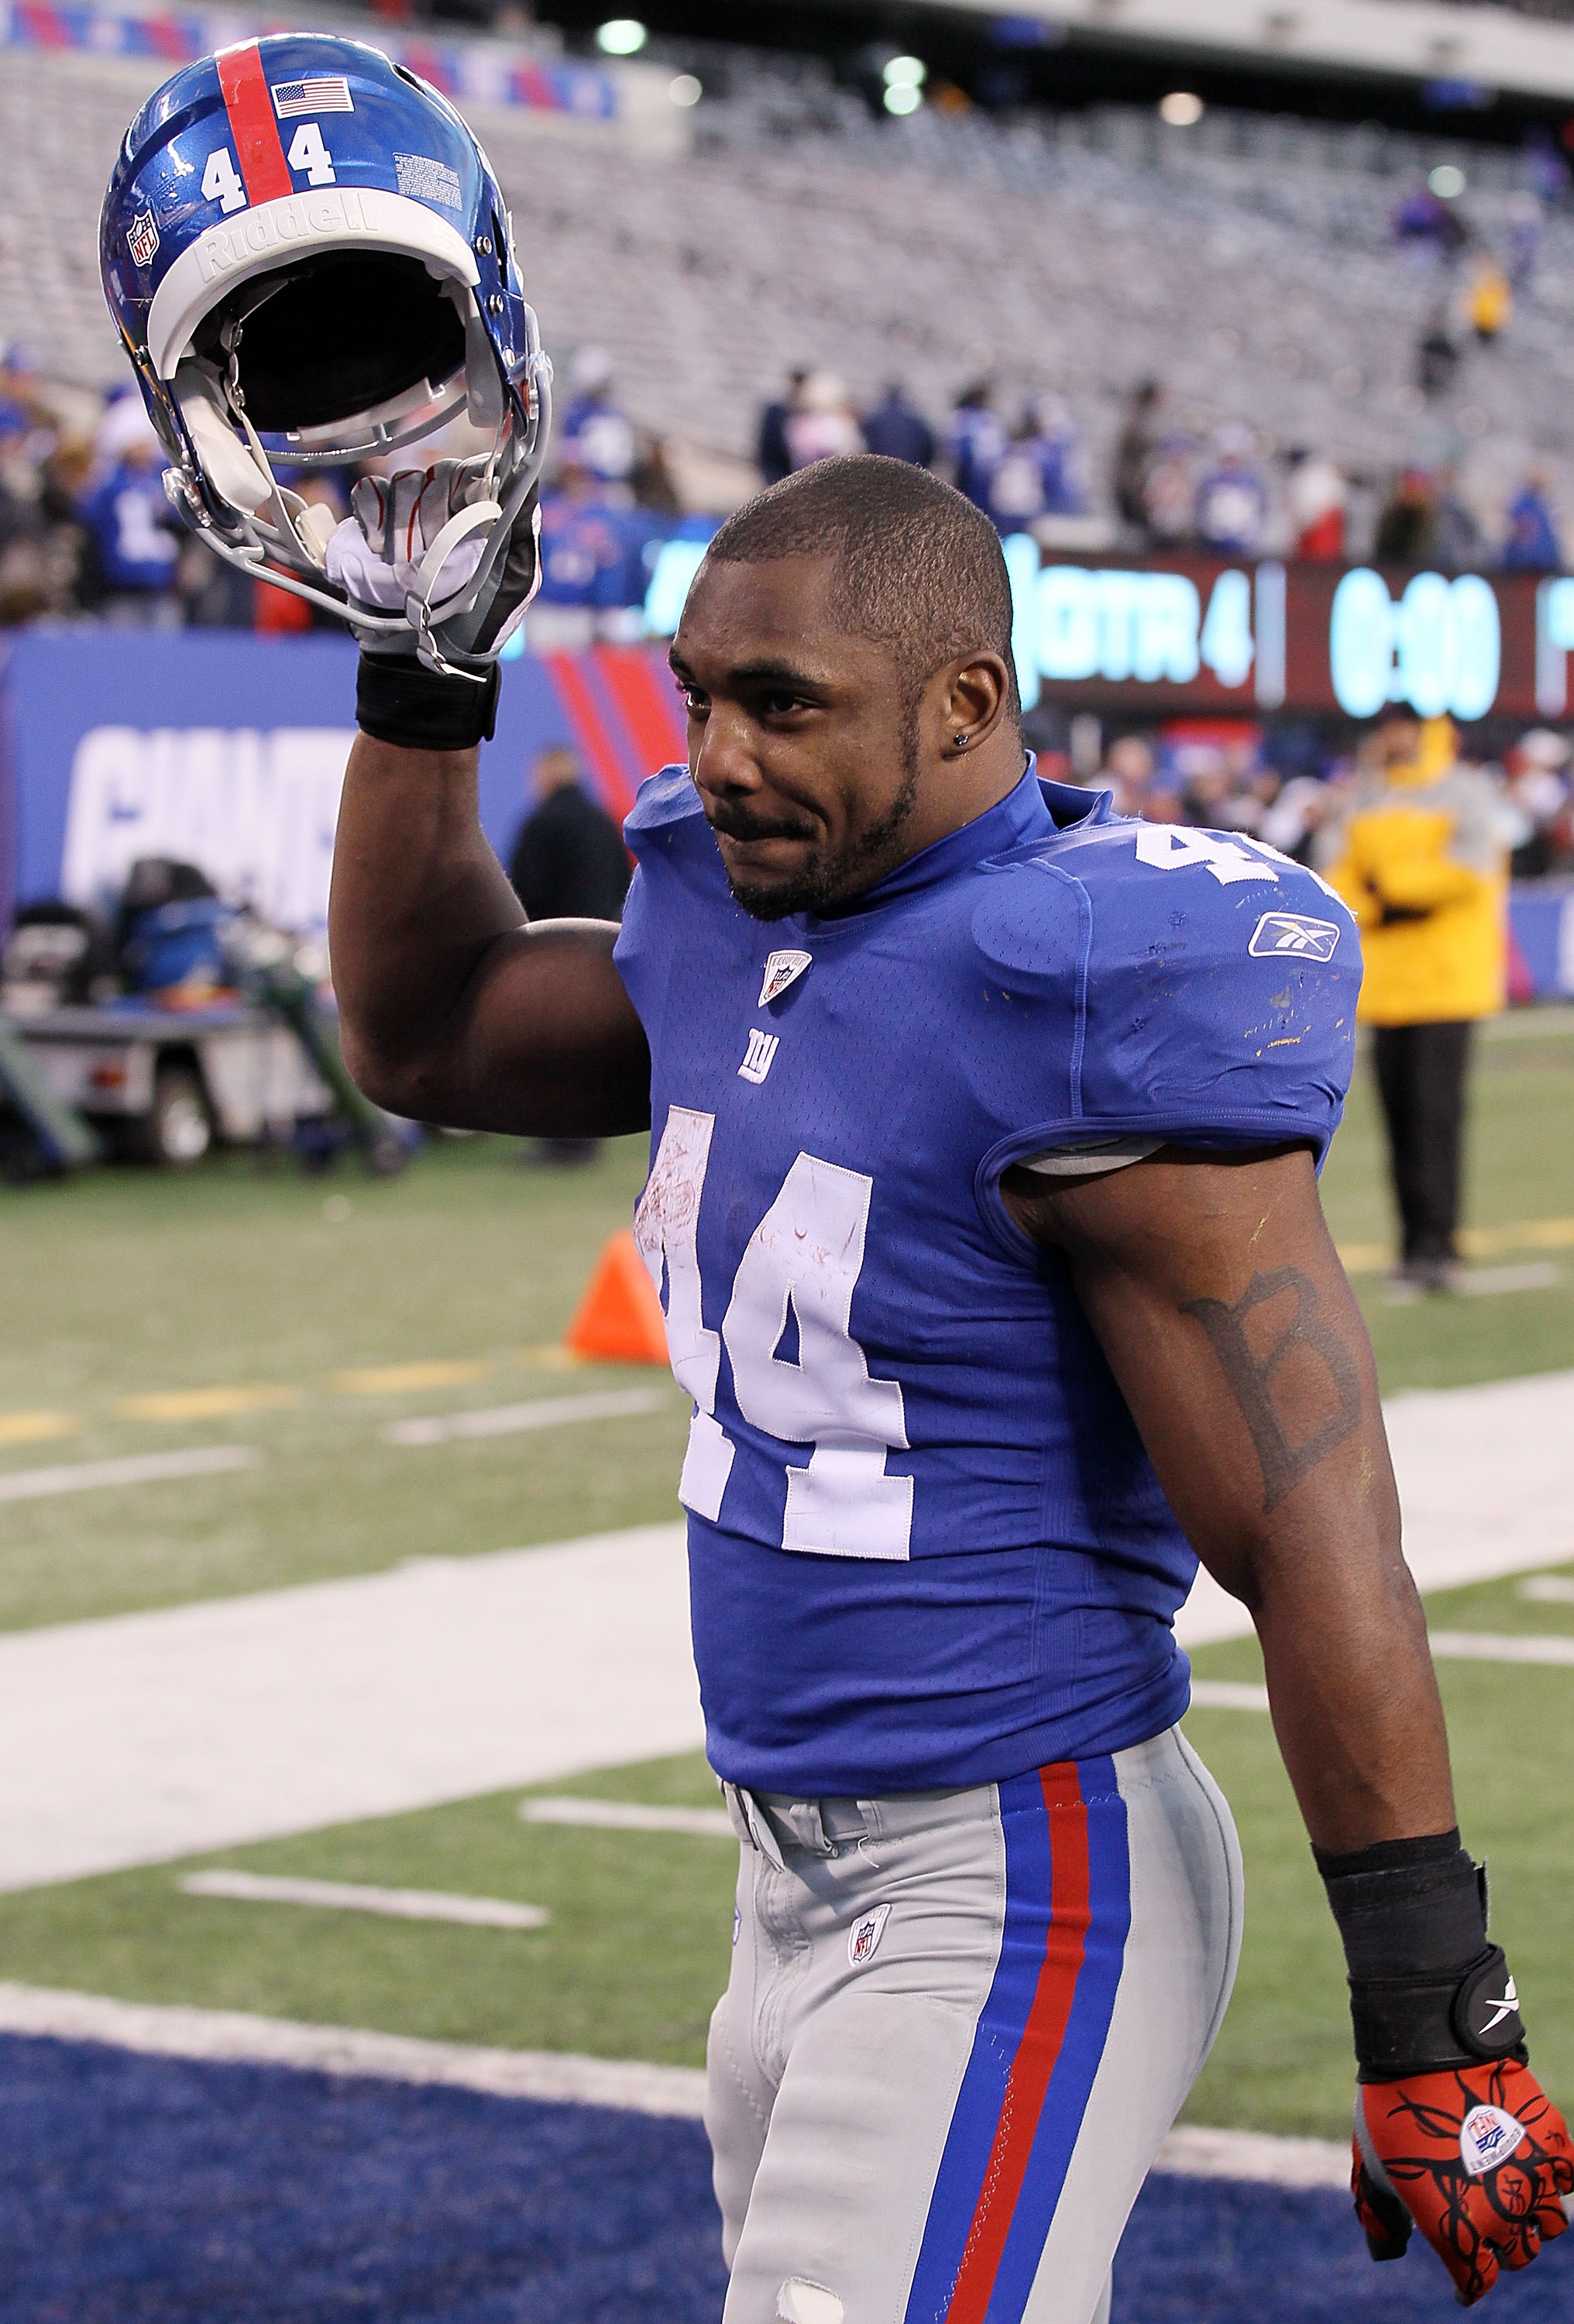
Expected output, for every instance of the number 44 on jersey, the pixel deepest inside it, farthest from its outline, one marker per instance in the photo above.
(799, 1269)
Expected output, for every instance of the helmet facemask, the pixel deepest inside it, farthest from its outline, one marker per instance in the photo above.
(342, 356)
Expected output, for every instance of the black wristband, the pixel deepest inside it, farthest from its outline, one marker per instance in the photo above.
(1427, 1990)
(399, 700)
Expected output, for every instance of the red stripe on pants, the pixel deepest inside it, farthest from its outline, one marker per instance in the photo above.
(250, 107)
(1028, 2082)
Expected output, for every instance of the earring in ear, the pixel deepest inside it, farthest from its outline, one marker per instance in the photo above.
(961, 739)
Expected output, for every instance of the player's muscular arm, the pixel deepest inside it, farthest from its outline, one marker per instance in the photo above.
(452, 1008)
(1217, 1294)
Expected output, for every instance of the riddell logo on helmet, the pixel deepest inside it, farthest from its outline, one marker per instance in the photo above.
(301, 218)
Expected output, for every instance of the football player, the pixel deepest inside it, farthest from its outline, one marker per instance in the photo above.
(982, 1201)
(982, 1205)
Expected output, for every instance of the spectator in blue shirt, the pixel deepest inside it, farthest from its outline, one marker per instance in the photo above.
(1039, 475)
(1533, 545)
(978, 441)
(132, 535)
(583, 552)
(1232, 497)
(593, 433)
(898, 432)
(771, 455)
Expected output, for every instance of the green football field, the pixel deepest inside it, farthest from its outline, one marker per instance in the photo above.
(298, 1318)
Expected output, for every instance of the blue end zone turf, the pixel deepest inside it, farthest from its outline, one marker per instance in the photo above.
(151, 2190)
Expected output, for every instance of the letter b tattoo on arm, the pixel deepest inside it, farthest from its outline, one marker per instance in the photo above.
(1251, 1376)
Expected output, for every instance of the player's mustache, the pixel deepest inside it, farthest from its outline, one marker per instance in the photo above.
(738, 825)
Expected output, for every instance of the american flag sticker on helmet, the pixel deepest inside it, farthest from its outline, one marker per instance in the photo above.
(330, 93)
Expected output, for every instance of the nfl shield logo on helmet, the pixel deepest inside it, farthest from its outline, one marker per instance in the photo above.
(142, 238)
(865, 1934)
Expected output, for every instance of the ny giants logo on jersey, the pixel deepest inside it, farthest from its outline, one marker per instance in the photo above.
(758, 1056)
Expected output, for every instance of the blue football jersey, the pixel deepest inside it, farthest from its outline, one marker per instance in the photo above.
(926, 1545)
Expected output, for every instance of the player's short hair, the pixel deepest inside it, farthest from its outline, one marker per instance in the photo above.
(917, 566)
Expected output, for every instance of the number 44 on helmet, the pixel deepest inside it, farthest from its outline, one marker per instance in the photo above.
(310, 262)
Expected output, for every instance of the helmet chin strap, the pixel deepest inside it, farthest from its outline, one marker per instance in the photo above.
(420, 609)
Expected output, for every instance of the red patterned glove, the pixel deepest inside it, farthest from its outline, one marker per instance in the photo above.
(1477, 2156)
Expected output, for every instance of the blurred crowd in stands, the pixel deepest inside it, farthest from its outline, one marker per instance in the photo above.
(85, 531)
(1278, 785)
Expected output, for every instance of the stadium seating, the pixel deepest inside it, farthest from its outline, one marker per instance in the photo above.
(1248, 261)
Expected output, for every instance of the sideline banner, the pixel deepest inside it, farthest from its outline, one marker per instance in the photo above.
(228, 751)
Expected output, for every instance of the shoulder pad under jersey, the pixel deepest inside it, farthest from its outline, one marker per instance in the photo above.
(667, 796)
(1214, 982)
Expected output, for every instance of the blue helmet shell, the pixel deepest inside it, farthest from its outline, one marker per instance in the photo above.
(308, 259)
(193, 165)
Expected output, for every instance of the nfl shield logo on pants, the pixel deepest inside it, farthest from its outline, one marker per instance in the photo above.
(865, 1934)
(142, 240)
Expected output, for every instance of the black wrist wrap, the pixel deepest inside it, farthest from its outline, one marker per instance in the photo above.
(398, 700)
(1427, 1990)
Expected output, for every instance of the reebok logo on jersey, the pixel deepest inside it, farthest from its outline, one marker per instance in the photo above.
(1487, 2136)
(782, 969)
(863, 1936)
(756, 1059)
(1281, 935)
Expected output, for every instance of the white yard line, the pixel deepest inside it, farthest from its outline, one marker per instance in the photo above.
(1194, 2153)
(511, 1419)
(1228, 1694)
(1492, 1647)
(1483, 1481)
(136, 1469)
(153, 1736)
(628, 1815)
(351, 1896)
(166, 2032)
(222, 2034)
(1548, 1590)
(1528, 1275)
(150, 1736)
(1447, 1645)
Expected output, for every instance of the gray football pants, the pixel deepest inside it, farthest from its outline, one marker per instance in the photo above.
(958, 2025)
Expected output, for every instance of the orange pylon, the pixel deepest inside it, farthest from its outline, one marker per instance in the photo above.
(620, 1320)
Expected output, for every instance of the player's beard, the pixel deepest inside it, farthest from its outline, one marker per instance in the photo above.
(830, 878)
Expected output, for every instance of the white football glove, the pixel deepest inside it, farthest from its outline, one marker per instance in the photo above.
(416, 540)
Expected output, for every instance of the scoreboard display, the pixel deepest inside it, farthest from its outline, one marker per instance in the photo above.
(1154, 636)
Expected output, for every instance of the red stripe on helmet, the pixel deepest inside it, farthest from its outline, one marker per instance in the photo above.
(250, 107)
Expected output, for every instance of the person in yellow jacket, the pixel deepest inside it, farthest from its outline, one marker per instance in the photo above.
(1419, 857)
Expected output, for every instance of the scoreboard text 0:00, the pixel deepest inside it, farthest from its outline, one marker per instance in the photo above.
(1155, 635)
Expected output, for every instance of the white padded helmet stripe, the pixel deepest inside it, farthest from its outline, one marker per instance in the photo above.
(255, 241)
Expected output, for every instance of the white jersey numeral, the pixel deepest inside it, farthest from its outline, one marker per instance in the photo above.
(308, 152)
(666, 1229)
(1169, 847)
(807, 1254)
(220, 183)
(800, 1269)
